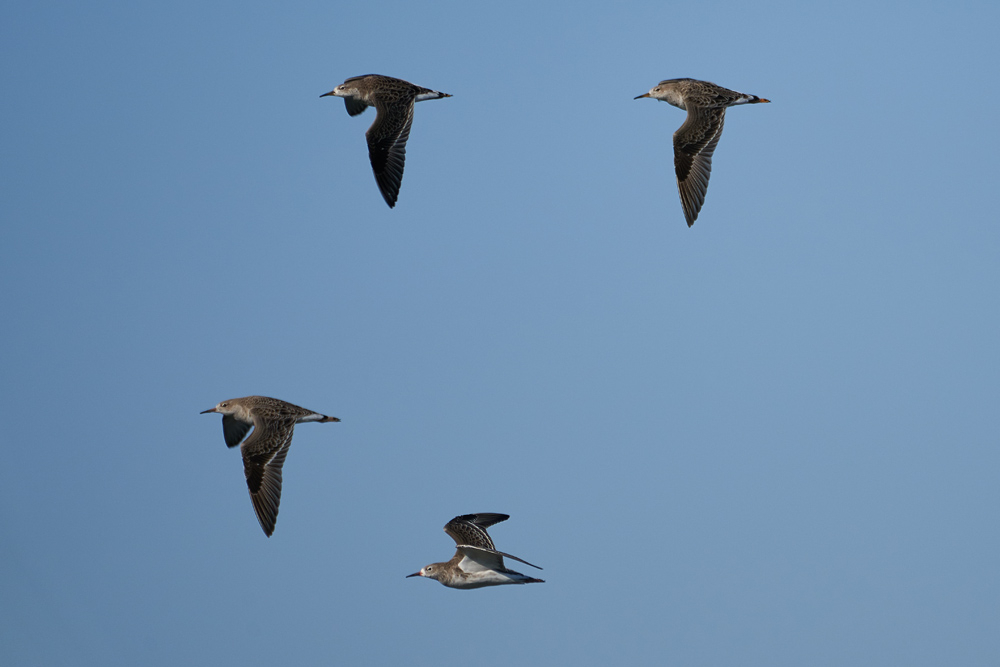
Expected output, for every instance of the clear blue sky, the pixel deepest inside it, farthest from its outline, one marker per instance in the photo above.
(770, 439)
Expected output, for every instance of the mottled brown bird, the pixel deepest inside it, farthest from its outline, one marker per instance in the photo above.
(476, 562)
(696, 139)
(393, 100)
(265, 450)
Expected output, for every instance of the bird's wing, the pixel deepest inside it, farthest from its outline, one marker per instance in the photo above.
(234, 430)
(694, 144)
(355, 105)
(471, 528)
(264, 453)
(387, 146)
(477, 558)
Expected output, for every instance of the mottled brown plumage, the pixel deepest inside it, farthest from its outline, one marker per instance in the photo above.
(265, 450)
(393, 99)
(476, 562)
(696, 139)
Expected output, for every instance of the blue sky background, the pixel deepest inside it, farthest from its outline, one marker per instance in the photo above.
(770, 439)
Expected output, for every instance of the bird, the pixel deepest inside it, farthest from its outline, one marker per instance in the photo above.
(476, 562)
(393, 100)
(696, 139)
(265, 450)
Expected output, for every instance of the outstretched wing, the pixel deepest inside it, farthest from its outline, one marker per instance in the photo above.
(387, 146)
(470, 529)
(264, 453)
(694, 144)
(477, 559)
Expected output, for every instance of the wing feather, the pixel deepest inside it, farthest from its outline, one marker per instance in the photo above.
(477, 558)
(387, 139)
(355, 105)
(234, 430)
(471, 528)
(264, 454)
(694, 145)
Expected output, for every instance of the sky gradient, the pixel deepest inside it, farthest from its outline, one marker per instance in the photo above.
(770, 439)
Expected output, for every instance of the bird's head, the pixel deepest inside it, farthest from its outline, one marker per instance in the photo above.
(343, 90)
(231, 407)
(432, 571)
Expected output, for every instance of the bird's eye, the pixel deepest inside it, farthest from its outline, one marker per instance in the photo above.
(224, 405)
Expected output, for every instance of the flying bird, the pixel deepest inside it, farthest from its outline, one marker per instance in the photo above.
(393, 100)
(696, 139)
(265, 450)
(476, 562)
